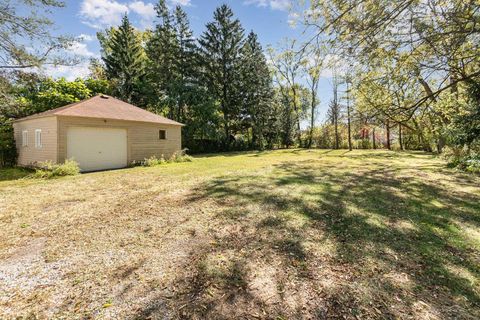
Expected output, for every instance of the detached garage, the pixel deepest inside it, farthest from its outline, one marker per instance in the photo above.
(99, 133)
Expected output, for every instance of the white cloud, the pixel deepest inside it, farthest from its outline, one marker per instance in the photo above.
(102, 13)
(185, 3)
(68, 72)
(80, 49)
(86, 37)
(282, 5)
(146, 10)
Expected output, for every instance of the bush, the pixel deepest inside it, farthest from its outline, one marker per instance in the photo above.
(462, 158)
(8, 150)
(153, 161)
(473, 165)
(180, 156)
(48, 169)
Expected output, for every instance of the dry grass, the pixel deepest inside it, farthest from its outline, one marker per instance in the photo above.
(274, 235)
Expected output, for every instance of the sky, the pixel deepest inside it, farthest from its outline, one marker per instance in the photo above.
(269, 19)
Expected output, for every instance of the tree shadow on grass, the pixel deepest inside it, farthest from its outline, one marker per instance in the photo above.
(309, 241)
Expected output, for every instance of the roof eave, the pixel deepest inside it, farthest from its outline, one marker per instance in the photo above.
(178, 124)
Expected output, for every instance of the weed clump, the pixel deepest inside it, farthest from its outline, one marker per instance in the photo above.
(177, 157)
(49, 170)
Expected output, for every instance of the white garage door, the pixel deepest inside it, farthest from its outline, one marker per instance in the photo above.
(97, 148)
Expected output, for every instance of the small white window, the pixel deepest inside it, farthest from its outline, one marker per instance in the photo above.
(38, 138)
(24, 138)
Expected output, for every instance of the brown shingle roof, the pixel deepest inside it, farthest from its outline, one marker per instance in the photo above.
(104, 107)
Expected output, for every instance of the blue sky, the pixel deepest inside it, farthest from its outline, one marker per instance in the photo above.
(268, 18)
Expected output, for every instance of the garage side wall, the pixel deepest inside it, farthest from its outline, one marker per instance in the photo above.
(30, 155)
(142, 137)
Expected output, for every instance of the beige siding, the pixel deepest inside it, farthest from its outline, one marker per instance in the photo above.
(142, 138)
(30, 155)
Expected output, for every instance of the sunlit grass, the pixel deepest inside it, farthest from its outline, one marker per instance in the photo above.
(284, 234)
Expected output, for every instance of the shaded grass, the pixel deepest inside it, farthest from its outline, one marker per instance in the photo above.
(7, 174)
(291, 234)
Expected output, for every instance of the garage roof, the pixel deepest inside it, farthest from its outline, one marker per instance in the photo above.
(104, 107)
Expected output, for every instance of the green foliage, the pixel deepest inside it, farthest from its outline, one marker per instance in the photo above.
(412, 63)
(35, 95)
(124, 59)
(181, 156)
(463, 158)
(177, 157)
(294, 99)
(465, 126)
(173, 76)
(98, 86)
(473, 164)
(153, 161)
(50, 94)
(8, 151)
(14, 173)
(49, 170)
(162, 51)
(256, 90)
(220, 52)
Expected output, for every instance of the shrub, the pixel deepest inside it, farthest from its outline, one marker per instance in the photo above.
(48, 169)
(180, 156)
(153, 161)
(473, 165)
(8, 151)
(454, 155)
(462, 158)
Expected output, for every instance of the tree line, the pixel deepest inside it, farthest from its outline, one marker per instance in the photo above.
(219, 86)
(414, 68)
(405, 76)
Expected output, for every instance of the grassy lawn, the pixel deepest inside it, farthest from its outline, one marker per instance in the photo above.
(289, 234)
(7, 174)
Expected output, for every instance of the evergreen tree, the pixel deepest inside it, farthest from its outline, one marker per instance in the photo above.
(186, 65)
(162, 51)
(256, 89)
(220, 49)
(124, 61)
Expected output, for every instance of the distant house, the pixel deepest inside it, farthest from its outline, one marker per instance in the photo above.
(99, 133)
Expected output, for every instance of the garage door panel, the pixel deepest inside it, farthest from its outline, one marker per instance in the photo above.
(97, 148)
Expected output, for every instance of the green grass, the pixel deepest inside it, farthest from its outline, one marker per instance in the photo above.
(287, 234)
(7, 174)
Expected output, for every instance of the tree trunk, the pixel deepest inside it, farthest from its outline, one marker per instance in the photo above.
(373, 138)
(312, 120)
(389, 147)
(440, 144)
(336, 133)
(400, 136)
(348, 121)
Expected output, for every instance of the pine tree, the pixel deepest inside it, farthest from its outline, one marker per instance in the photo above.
(124, 61)
(256, 89)
(186, 64)
(162, 51)
(220, 49)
